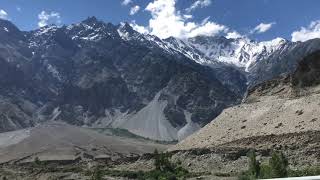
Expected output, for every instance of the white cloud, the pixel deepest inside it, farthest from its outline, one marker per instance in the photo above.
(134, 10)
(126, 2)
(46, 18)
(307, 33)
(233, 35)
(140, 29)
(199, 4)
(263, 27)
(187, 16)
(18, 9)
(3, 14)
(166, 21)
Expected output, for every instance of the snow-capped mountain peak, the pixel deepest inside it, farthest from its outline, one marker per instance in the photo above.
(240, 52)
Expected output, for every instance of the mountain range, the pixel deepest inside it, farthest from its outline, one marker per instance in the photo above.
(96, 74)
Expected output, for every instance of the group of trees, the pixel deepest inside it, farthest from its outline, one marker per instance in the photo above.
(276, 168)
(164, 170)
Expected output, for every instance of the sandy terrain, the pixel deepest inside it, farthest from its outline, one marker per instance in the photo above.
(58, 141)
(270, 115)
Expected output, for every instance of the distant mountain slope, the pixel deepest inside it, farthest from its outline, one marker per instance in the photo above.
(281, 106)
(100, 75)
(260, 61)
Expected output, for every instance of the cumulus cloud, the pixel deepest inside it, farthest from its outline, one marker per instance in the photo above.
(199, 4)
(187, 16)
(166, 21)
(263, 27)
(140, 29)
(126, 2)
(134, 10)
(233, 35)
(307, 33)
(3, 14)
(46, 18)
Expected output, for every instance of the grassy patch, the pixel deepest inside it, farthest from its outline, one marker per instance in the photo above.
(310, 171)
(164, 170)
(125, 133)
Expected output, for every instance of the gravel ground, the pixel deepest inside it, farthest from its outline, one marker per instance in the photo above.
(271, 115)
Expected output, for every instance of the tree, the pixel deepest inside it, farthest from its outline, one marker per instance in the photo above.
(37, 161)
(97, 174)
(156, 159)
(279, 165)
(254, 165)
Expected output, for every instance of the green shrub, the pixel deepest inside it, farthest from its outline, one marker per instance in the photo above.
(310, 171)
(246, 176)
(97, 174)
(164, 170)
(254, 165)
(279, 165)
(265, 171)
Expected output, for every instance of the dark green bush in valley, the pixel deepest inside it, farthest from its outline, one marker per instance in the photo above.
(310, 171)
(164, 170)
(97, 174)
(277, 167)
(254, 165)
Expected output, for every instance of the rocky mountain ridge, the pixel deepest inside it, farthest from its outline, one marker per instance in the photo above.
(98, 74)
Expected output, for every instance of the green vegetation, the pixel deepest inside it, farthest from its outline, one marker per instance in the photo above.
(37, 161)
(310, 171)
(125, 133)
(97, 174)
(164, 170)
(278, 167)
(254, 166)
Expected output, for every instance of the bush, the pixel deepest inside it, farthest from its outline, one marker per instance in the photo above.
(310, 171)
(97, 174)
(246, 176)
(37, 162)
(164, 170)
(265, 171)
(254, 165)
(279, 165)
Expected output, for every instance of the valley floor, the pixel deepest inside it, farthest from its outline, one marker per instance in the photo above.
(225, 161)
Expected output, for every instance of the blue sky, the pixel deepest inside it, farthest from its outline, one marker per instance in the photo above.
(277, 18)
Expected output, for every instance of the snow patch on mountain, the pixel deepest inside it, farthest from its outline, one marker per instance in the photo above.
(240, 52)
(6, 29)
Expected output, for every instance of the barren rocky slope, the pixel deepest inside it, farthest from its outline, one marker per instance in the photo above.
(281, 106)
(59, 142)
